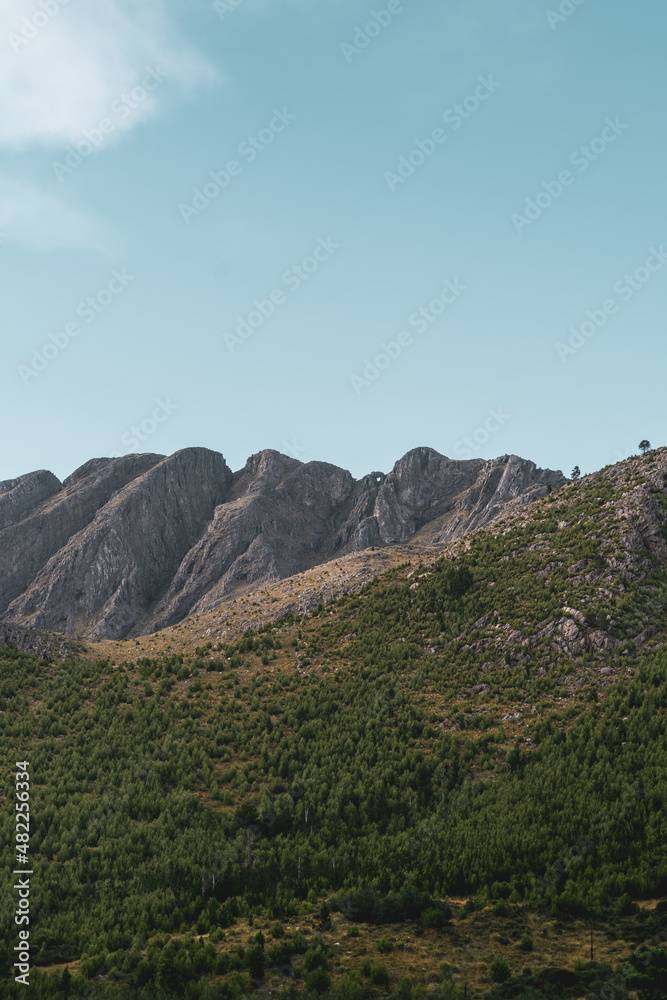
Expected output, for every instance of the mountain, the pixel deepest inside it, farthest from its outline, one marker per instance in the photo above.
(446, 779)
(126, 546)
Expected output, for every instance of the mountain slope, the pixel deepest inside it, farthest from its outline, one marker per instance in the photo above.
(113, 570)
(127, 546)
(41, 515)
(568, 574)
(488, 726)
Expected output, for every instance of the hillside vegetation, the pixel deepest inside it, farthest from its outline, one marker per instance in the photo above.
(447, 784)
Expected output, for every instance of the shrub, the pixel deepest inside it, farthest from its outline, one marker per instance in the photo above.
(315, 958)
(255, 960)
(318, 980)
(404, 991)
(279, 953)
(299, 942)
(222, 964)
(526, 943)
(235, 985)
(469, 906)
(626, 906)
(447, 990)
(384, 946)
(349, 988)
(379, 975)
(373, 908)
(435, 916)
(499, 970)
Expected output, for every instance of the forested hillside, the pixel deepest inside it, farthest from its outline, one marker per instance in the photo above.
(451, 784)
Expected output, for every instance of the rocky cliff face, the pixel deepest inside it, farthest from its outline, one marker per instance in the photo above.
(20, 497)
(53, 513)
(28, 640)
(125, 546)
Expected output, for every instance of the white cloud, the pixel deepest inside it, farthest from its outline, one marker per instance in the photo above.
(42, 222)
(63, 63)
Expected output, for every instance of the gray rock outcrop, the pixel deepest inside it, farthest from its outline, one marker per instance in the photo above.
(125, 546)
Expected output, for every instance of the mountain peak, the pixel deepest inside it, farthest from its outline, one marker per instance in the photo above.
(128, 545)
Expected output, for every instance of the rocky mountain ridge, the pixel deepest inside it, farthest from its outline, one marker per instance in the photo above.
(600, 544)
(129, 545)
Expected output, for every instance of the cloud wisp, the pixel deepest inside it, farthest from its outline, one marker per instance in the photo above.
(64, 64)
(40, 221)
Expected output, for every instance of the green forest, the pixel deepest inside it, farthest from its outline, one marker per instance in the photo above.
(346, 770)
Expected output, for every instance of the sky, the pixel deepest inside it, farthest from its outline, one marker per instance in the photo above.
(337, 230)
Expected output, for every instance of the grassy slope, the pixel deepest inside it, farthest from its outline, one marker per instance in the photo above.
(486, 727)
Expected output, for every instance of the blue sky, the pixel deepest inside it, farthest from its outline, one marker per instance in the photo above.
(433, 223)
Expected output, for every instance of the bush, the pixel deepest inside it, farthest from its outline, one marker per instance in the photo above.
(353, 931)
(379, 975)
(626, 906)
(235, 985)
(404, 991)
(349, 988)
(526, 943)
(384, 946)
(436, 916)
(222, 964)
(277, 930)
(279, 953)
(255, 961)
(468, 907)
(299, 943)
(447, 990)
(373, 908)
(318, 980)
(315, 958)
(499, 970)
